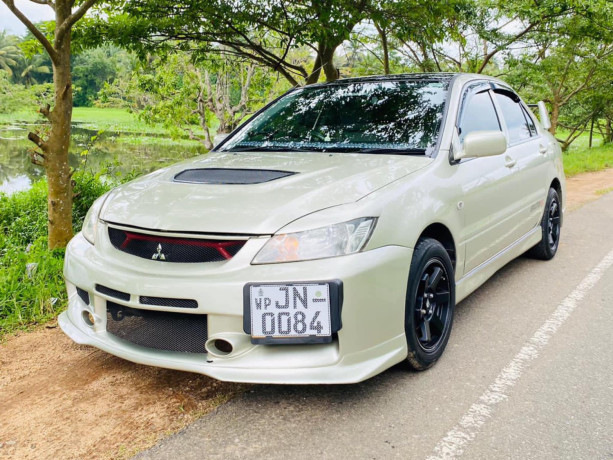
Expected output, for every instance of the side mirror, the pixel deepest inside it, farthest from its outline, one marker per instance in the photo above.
(219, 138)
(544, 115)
(482, 144)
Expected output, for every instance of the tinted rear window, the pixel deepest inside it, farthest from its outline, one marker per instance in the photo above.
(513, 114)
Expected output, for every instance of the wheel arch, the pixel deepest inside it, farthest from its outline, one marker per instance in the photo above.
(557, 186)
(443, 235)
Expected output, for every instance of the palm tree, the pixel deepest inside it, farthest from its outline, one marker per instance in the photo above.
(33, 66)
(9, 52)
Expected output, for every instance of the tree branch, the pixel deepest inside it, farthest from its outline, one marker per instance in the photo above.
(488, 57)
(287, 73)
(72, 19)
(446, 56)
(38, 141)
(44, 2)
(32, 28)
(33, 154)
(414, 57)
(45, 111)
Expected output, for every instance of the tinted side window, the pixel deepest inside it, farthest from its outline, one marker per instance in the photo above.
(478, 114)
(531, 126)
(513, 115)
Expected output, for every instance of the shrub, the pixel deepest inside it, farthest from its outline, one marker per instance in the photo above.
(31, 282)
(14, 97)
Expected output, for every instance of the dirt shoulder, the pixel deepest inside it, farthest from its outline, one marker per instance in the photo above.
(63, 400)
(583, 188)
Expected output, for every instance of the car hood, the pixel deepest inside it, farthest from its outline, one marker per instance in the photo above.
(320, 180)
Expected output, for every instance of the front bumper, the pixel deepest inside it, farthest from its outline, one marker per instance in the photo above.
(371, 339)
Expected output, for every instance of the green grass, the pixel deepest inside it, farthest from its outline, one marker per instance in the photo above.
(604, 191)
(29, 116)
(32, 287)
(116, 120)
(157, 141)
(119, 120)
(579, 159)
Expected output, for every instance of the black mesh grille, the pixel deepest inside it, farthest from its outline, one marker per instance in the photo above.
(84, 295)
(170, 249)
(165, 302)
(160, 330)
(112, 292)
(230, 176)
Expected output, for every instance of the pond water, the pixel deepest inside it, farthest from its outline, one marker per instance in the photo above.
(122, 152)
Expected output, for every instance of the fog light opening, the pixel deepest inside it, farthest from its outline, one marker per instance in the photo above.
(219, 347)
(88, 317)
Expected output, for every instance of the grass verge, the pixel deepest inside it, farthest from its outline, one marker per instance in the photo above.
(584, 159)
(580, 158)
(31, 283)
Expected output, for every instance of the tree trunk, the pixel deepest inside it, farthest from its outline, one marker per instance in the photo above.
(314, 76)
(555, 116)
(56, 155)
(608, 131)
(54, 149)
(327, 59)
(591, 132)
(384, 44)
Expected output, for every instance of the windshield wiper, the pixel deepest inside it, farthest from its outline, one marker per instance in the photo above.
(380, 150)
(252, 148)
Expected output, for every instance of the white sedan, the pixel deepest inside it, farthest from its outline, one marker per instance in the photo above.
(326, 239)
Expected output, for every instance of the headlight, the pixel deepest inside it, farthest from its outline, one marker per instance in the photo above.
(334, 240)
(90, 223)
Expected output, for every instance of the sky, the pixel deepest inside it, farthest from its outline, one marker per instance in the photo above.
(33, 11)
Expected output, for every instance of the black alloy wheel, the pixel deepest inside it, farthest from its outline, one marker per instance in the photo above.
(430, 304)
(551, 224)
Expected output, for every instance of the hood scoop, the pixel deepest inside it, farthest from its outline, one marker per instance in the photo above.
(229, 176)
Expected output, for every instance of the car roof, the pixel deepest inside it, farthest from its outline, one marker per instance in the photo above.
(427, 76)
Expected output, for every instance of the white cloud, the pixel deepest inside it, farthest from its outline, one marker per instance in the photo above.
(33, 11)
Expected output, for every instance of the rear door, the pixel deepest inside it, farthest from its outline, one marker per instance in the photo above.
(528, 150)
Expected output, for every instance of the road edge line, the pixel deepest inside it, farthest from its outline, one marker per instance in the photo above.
(455, 441)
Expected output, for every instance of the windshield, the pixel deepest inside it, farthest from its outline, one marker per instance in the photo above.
(365, 117)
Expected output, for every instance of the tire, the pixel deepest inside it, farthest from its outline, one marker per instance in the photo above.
(430, 303)
(550, 227)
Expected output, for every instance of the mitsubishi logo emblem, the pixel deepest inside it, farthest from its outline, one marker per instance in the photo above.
(159, 255)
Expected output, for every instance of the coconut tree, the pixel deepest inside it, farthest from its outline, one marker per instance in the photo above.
(33, 68)
(9, 52)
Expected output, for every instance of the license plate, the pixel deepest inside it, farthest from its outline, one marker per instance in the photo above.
(290, 311)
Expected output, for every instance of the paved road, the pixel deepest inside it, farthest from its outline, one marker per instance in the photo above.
(528, 373)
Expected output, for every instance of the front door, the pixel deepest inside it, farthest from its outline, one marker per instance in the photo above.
(488, 184)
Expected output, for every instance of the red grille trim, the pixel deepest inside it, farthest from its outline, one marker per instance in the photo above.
(173, 249)
(220, 246)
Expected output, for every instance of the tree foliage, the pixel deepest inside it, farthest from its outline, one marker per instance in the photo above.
(9, 52)
(214, 95)
(267, 33)
(52, 148)
(203, 65)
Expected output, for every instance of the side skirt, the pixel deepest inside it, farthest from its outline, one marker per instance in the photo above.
(479, 275)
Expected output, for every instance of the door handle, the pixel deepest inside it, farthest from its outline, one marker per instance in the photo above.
(509, 162)
(543, 149)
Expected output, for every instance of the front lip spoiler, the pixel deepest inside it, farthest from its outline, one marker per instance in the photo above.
(351, 369)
